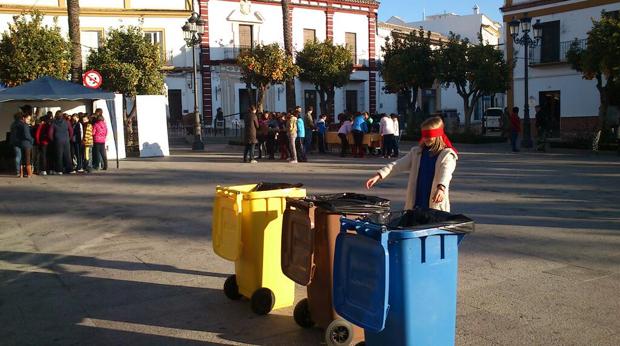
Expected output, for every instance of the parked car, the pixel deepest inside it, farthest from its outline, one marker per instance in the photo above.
(492, 120)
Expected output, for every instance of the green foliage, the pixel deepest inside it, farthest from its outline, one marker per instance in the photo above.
(475, 71)
(602, 54)
(29, 50)
(408, 63)
(600, 60)
(129, 63)
(265, 65)
(327, 66)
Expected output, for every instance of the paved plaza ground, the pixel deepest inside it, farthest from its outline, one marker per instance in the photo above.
(124, 257)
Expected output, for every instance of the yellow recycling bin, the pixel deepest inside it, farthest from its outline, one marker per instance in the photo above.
(247, 229)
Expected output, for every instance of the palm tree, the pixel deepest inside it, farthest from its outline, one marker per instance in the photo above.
(288, 47)
(73, 9)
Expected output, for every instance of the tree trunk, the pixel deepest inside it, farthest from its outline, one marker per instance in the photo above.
(602, 112)
(262, 92)
(73, 9)
(330, 101)
(251, 95)
(322, 102)
(468, 109)
(288, 47)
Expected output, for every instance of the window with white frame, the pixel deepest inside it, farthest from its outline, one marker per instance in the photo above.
(90, 40)
(157, 37)
(309, 36)
(350, 40)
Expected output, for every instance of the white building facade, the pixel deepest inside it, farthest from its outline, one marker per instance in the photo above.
(467, 26)
(571, 101)
(161, 21)
(234, 25)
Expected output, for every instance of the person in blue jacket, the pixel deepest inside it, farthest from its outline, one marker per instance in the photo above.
(300, 141)
(321, 127)
(359, 128)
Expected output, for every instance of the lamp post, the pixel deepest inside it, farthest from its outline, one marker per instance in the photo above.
(526, 41)
(193, 30)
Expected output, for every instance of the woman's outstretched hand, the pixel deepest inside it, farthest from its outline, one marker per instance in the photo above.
(372, 181)
(439, 196)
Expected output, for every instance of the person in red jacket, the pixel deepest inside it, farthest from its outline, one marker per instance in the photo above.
(515, 128)
(42, 140)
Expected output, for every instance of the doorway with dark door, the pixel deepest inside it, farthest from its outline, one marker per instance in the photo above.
(351, 101)
(550, 102)
(244, 102)
(175, 106)
(310, 99)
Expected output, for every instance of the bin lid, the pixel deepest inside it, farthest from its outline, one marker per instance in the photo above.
(351, 203)
(361, 272)
(423, 222)
(264, 186)
(297, 258)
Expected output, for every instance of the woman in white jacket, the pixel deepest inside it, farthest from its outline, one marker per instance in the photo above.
(430, 166)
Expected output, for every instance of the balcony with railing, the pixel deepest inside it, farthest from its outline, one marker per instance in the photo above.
(547, 54)
(232, 53)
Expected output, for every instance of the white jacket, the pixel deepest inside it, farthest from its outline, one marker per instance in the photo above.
(446, 163)
(386, 126)
(396, 128)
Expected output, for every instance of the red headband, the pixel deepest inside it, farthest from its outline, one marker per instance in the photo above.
(439, 132)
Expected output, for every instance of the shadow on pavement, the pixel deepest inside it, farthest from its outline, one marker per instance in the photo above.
(61, 307)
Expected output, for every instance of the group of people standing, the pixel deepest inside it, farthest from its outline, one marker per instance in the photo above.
(58, 143)
(361, 124)
(290, 134)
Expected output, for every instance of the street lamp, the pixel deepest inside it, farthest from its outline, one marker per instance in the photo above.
(193, 30)
(526, 41)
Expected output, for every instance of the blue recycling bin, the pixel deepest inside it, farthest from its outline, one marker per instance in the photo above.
(398, 280)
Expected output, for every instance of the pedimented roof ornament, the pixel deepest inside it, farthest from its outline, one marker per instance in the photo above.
(245, 14)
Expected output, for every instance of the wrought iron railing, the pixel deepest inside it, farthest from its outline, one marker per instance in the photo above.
(234, 52)
(549, 54)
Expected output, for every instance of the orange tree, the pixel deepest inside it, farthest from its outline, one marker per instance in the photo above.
(327, 66)
(265, 65)
(600, 61)
(29, 50)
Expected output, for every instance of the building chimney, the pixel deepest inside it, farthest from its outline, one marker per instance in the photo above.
(476, 9)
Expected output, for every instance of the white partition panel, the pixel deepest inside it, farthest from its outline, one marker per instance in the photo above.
(109, 142)
(152, 126)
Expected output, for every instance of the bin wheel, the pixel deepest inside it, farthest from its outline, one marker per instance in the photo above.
(339, 333)
(302, 314)
(231, 290)
(262, 301)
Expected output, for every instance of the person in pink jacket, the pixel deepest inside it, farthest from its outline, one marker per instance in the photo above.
(430, 166)
(100, 132)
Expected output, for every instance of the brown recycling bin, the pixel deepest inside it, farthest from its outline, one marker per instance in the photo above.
(310, 228)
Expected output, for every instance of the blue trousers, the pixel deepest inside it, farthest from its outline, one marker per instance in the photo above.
(18, 158)
(514, 136)
(308, 141)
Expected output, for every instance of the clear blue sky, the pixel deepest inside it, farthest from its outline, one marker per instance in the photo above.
(411, 10)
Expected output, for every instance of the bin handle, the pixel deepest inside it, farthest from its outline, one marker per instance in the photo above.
(362, 228)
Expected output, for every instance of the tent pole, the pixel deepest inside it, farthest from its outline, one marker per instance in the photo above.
(116, 145)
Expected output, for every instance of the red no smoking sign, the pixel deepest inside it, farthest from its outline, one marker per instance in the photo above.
(92, 79)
